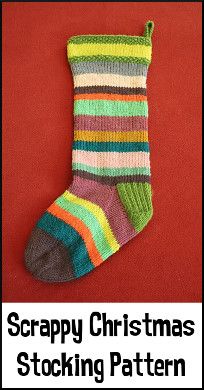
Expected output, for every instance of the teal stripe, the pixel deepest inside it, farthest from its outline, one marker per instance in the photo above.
(111, 171)
(136, 60)
(110, 108)
(111, 146)
(91, 222)
(71, 239)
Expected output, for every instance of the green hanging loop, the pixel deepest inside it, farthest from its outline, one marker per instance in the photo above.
(149, 27)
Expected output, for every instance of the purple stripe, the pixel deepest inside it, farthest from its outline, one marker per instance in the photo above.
(108, 199)
(105, 123)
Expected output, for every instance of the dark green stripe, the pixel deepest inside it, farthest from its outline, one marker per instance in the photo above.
(131, 40)
(107, 89)
(112, 180)
(136, 60)
(71, 239)
(111, 146)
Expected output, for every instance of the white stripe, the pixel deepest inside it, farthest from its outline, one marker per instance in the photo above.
(111, 159)
(113, 80)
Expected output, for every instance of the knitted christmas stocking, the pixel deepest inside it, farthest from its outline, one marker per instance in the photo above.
(110, 199)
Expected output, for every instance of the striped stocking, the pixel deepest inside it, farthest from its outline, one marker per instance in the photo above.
(109, 201)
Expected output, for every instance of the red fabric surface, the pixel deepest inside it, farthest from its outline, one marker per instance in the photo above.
(162, 264)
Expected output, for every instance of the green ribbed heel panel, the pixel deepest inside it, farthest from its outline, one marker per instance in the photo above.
(137, 200)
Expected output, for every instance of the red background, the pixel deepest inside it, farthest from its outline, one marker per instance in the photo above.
(162, 264)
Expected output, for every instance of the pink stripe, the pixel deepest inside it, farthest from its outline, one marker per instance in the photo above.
(108, 199)
(105, 123)
(111, 159)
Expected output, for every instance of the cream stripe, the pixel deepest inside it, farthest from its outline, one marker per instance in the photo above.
(112, 159)
(113, 80)
(91, 49)
(99, 214)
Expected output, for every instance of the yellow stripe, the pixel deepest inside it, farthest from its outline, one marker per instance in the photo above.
(91, 49)
(99, 214)
(111, 136)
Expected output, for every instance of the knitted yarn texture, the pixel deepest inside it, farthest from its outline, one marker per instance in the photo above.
(110, 199)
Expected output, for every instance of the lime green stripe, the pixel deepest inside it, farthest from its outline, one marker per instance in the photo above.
(131, 40)
(104, 58)
(99, 214)
(90, 221)
(111, 171)
(110, 108)
(94, 218)
(137, 200)
(92, 49)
